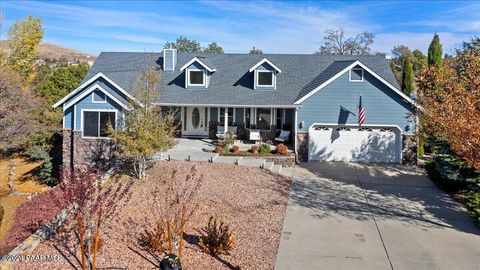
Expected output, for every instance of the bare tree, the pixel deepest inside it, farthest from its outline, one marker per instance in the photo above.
(335, 43)
(146, 129)
(17, 104)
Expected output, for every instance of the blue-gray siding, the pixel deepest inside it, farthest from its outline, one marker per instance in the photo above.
(105, 85)
(68, 118)
(86, 103)
(338, 103)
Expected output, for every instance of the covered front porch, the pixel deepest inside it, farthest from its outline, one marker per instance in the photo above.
(206, 121)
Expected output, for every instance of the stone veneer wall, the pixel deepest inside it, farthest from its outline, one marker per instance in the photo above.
(80, 153)
(409, 150)
(302, 147)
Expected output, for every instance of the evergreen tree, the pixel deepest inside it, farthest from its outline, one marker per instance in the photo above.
(407, 76)
(435, 52)
(213, 48)
(183, 44)
(255, 51)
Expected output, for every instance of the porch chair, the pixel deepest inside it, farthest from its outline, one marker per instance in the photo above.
(284, 136)
(254, 135)
(220, 132)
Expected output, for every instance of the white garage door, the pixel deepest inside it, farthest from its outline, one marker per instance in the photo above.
(343, 143)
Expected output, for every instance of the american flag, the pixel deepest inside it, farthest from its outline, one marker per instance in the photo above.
(361, 113)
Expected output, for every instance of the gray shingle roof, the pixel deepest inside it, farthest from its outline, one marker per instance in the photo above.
(232, 83)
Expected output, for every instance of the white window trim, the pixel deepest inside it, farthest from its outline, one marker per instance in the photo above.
(195, 59)
(96, 101)
(80, 88)
(350, 74)
(265, 85)
(97, 110)
(265, 60)
(204, 84)
(90, 90)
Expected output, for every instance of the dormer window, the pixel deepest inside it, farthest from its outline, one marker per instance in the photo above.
(265, 78)
(265, 75)
(356, 74)
(197, 73)
(196, 78)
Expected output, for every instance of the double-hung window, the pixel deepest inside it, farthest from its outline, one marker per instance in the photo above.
(95, 123)
(264, 118)
(265, 78)
(279, 119)
(248, 115)
(196, 78)
(222, 117)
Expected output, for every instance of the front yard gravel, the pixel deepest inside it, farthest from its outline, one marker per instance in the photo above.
(251, 200)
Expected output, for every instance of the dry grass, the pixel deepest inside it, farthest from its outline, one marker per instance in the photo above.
(25, 181)
(26, 176)
(10, 204)
(252, 201)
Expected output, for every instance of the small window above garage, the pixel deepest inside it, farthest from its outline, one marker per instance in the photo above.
(356, 74)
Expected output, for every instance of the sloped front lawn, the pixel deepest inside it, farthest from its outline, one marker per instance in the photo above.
(249, 199)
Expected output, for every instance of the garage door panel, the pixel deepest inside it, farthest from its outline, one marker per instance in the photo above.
(353, 144)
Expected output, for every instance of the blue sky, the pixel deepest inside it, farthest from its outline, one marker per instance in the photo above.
(274, 27)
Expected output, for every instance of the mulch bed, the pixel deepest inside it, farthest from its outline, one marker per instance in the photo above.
(251, 200)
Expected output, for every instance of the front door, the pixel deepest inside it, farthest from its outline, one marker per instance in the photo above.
(196, 121)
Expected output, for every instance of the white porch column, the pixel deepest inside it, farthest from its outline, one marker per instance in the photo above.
(295, 124)
(225, 121)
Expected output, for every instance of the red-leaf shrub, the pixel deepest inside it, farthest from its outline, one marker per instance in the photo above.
(42, 208)
(235, 149)
(282, 149)
(34, 214)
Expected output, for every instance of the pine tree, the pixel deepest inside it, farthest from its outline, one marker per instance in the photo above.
(407, 76)
(435, 52)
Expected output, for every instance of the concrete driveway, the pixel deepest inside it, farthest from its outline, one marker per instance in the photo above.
(352, 216)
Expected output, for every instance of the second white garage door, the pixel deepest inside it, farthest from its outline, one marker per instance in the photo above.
(344, 143)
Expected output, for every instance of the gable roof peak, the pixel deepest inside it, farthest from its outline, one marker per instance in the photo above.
(196, 59)
(265, 60)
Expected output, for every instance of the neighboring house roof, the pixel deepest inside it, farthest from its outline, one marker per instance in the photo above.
(232, 83)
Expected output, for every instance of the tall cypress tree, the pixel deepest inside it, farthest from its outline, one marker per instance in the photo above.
(407, 76)
(435, 52)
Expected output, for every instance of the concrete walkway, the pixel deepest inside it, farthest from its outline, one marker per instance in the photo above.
(351, 216)
(192, 149)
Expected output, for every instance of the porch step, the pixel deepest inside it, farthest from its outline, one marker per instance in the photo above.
(277, 168)
(184, 155)
(251, 162)
(268, 165)
(226, 159)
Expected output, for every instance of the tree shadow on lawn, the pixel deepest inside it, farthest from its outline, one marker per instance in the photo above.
(390, 192)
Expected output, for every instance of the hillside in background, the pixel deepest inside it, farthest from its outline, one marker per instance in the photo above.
(52, 51)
